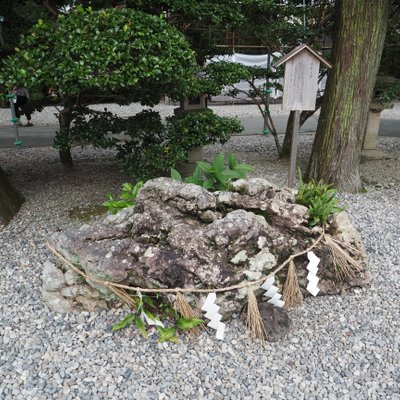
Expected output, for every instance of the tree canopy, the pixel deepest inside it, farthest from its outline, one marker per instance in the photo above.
(104, 50)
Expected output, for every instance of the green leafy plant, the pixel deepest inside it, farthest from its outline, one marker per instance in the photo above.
(129, 194)
(320, 199)
(145, 146)
(83, 55)
(146, 305)
(216, 175)
(154, 148)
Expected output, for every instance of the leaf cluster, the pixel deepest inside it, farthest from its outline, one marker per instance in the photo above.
(110, 49)
(126, 199)
(145, 309)
(320, 199)
(216, 175)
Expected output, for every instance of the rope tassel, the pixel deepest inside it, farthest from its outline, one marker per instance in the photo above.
(291, 291)
(346, 265)
(254, 320)
(186, 311)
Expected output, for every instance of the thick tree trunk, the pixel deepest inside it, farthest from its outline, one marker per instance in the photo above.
(65, 119)
(360, 29)
(10, 200)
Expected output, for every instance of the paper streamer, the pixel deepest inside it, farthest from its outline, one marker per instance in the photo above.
(145, 318)
(151, 321)
(213, 315)
(272, 292)
(312, 278)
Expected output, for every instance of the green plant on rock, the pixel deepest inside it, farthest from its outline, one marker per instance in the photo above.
(216, 175)
(145, 309)
(320, 199)
(127, 197)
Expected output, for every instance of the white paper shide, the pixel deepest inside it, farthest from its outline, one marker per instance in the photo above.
(312, 278)
(146, 318)
(272, 292)
(213, 315)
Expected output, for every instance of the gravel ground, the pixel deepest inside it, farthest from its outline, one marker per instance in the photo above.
(343, 347)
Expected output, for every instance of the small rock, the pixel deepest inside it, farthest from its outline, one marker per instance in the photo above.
(56, 302)
(72, 278)
(276, 321)
(91, 304)
(79, 290)
(239, 257)
(52, 277)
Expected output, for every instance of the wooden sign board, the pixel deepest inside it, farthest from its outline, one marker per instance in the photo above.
(301, 82)
(300, 90)
(301, 78)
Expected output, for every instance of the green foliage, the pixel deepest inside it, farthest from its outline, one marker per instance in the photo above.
(167, 334)
(216, 175)
(320, 199)
(387, 89)
(188, 323)
(226, 75)
(109, 50)
(125, 322)
(144, 304)
(146, 147)
(128, 195)
(157, 147)
(189, 130)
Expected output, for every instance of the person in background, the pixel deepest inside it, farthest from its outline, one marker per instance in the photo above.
(21, 101)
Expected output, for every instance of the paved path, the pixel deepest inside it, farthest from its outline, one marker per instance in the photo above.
(37, 136)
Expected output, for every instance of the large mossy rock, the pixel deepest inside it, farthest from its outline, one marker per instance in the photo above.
(10, 200)
(181, 235)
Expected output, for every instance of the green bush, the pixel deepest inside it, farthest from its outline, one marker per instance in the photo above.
(160, 147)
(145, 146)
(320, 199)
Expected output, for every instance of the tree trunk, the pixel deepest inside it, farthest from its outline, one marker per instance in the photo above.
(65, 119)
(287, 141)
(360, 29)
(10, 200)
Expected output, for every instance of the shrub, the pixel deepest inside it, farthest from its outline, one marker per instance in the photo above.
(320, 199)
(145, 146)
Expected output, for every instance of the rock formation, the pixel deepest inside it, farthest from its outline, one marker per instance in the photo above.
(181, 235)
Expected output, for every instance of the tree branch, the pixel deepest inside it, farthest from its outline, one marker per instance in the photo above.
(50, 7)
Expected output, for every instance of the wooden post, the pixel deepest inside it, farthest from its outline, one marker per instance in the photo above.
(293, 150)
(14, 119)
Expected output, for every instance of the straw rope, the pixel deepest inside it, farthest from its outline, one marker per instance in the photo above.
(113, 286)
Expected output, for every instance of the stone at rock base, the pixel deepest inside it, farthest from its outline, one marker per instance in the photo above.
(56, 302)
(276, 321)
(52, 277)
(65, 292)
(72, 278)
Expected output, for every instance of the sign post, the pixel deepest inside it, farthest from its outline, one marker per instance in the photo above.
(14, 119)
(300, 90)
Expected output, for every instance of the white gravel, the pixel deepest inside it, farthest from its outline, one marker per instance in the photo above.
(342, 347)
